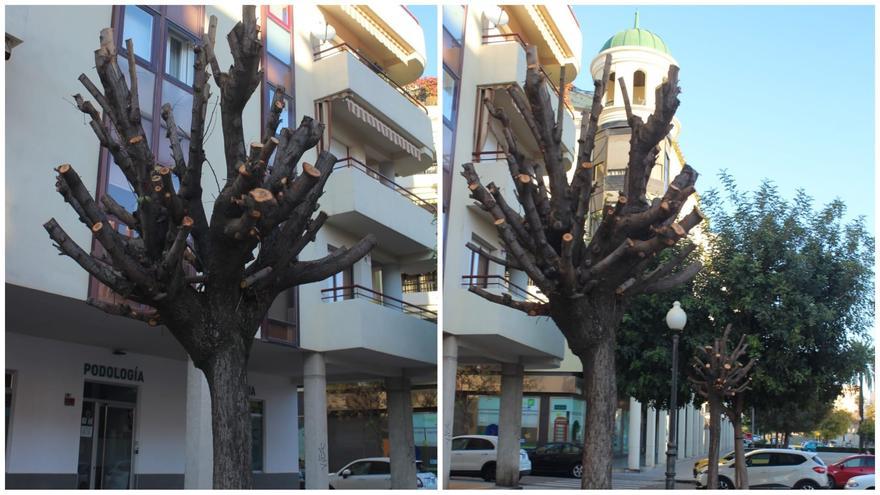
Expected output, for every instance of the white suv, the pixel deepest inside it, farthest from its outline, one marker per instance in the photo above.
(475, 455)
(774, 468)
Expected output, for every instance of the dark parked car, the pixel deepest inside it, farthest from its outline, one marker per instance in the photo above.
(558, 458)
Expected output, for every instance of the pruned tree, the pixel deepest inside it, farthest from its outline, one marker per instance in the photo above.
(198, 276)
(587, 280)
(719, 375)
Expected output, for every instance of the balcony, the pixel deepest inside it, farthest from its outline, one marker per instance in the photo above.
(344, 293)
(385, 114)
(360, 200)
(486, 329)
(355, 317)
(506, 65)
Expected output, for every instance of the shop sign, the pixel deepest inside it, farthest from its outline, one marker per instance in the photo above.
(104, 371)
(560, 407)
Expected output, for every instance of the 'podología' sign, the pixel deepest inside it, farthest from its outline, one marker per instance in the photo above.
(103, 371)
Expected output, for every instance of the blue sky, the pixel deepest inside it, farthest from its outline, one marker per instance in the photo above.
(784, 93)
(427, 16)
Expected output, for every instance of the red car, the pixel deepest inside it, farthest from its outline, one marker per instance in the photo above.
(841, 471)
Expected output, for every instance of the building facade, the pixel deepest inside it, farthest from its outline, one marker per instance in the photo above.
(98, 401)
(484, 57)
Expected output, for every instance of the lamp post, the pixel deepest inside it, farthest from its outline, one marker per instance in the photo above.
(675, 320)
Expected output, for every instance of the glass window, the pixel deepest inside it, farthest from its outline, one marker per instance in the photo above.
(868, 462)
(138, 25)
(480, 444)
(379, 467)
(758, 460)
(256, 435)
(280, 13)
(459, 443)
(340, 284)
(453, 22)
(179, 58)
(360, 468)
(278, 41)
(531, 411)
(425, 429)
(450, 82)
(853, 463)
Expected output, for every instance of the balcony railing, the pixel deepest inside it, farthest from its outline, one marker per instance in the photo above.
(502, 283)
(350, 162)
(489, 39)
(373, 66)
(361, 292)
(491, 156)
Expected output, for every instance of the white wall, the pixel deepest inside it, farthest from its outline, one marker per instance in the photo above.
(281, 433)
(45, 433)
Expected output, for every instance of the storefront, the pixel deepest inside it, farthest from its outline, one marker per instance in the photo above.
(81, 416)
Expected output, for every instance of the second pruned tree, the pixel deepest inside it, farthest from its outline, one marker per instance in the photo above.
(720, 377)
(209, 280)
(588, 277)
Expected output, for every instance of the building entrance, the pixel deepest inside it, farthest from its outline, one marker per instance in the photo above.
(106, 436)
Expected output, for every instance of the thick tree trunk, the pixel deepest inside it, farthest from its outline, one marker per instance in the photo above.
(600, 394)
(785, 439)
(226, 373)
(862, 442)
(714, 440)
(742, 474)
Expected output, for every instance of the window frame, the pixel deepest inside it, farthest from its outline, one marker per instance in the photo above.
(156, 66)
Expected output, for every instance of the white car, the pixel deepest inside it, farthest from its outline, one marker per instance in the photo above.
(475, 455)
(774, 468)
(863, 482)
(375, 473)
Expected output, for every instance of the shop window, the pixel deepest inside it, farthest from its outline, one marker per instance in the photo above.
(639, 88)
(257, 434)
(488, 418)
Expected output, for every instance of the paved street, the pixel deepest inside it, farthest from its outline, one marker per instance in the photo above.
(653, 478)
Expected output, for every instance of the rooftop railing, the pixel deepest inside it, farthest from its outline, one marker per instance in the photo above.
(373, 66)
(350, 162)
(360, 292)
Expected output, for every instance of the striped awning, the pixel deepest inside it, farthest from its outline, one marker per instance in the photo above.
(363, 114)
(361, 17)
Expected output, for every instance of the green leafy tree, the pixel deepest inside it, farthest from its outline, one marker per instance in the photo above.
(835, 424)
(866, 430)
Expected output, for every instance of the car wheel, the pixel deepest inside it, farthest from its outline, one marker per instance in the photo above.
(806, 485)
(725, 483)
(488, 471)
(831, 483)
(577, 470)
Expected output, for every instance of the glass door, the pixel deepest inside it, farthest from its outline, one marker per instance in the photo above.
(106, 436)
(114, 447)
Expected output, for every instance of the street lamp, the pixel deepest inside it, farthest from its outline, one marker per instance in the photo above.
(676, 318)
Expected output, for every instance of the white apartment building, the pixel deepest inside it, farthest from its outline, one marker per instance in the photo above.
(484, 54)
(98, 401)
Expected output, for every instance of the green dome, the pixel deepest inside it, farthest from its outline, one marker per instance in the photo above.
(636, 37)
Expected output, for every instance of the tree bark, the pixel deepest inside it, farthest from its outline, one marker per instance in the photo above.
(714, 441)
(785, 439)
(599, 318)
(742, 474)
(226, 372)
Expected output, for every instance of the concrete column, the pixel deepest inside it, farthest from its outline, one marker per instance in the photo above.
(391, 281)
(681, 433)
(450, 366)
(400, 433)
(634, 435)
(662, 435)
(315, 421)
(650, 441)
(509, 425)
(199, 472)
